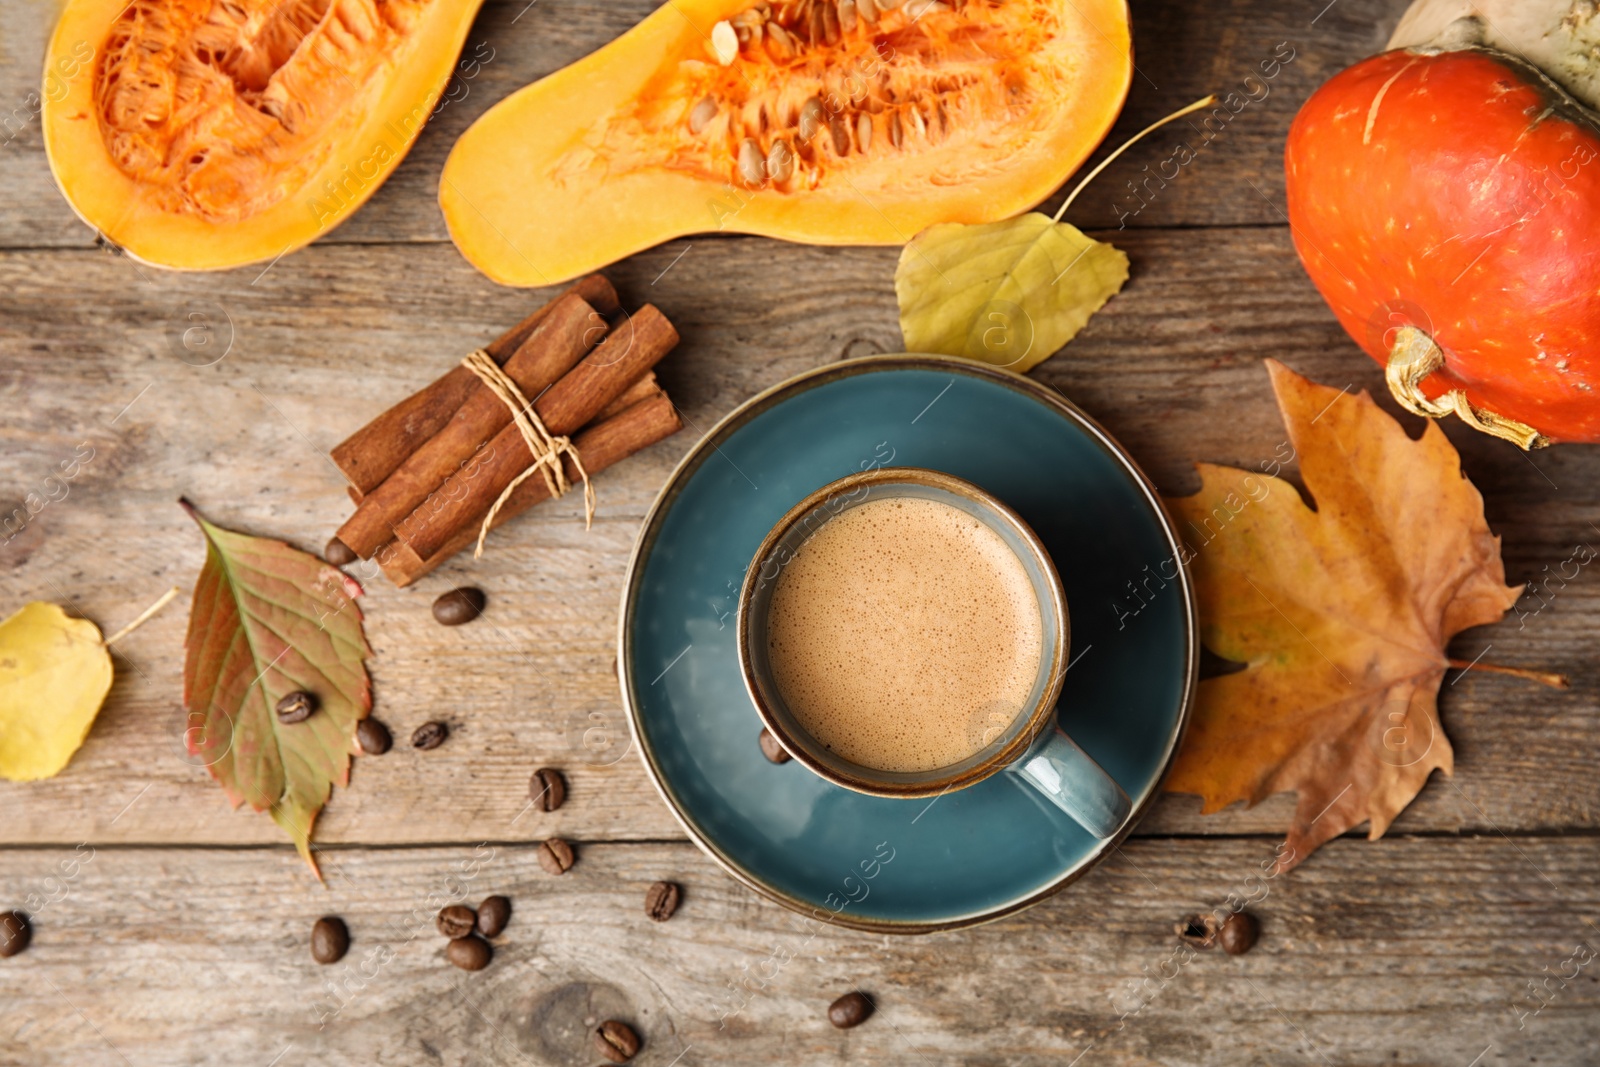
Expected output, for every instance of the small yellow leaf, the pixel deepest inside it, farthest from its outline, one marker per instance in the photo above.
(1005, 293)
(55, 673)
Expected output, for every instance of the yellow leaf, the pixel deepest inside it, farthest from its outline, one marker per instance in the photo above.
(1005, 293)
(55, 673)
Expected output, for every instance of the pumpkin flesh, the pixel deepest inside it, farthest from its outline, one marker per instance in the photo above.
(213, 133)
(822, 122)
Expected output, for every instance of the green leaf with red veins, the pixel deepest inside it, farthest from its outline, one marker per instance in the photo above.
(269, 620)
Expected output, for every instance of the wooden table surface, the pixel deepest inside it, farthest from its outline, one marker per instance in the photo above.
(1464, 937)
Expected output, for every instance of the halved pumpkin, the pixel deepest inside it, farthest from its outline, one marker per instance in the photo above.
(203, 134)
(820, 121)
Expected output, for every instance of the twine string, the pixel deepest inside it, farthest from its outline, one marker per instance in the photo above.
(546, 448)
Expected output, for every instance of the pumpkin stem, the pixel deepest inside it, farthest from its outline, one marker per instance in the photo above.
(143, 617)
(1413, 356)
(1129, 143)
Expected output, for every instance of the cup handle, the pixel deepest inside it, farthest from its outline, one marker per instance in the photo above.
(1058, 768)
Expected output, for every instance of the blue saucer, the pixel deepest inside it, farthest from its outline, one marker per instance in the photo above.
(902, 866)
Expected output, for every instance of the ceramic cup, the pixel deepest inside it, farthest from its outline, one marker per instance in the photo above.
(1033, 747)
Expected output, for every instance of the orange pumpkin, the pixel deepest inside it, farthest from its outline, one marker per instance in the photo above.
(1447, 206)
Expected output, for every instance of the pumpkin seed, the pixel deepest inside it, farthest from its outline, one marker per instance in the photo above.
(724, 42)
(897, 134)
(841, 135)
(830, 22)
(810, 119)
(847, 15)
(916, 121)
(703, 113)
(780, 161)
(868, 10)
(752, 168)
(779, 43)
(864, 131)
(916, 9)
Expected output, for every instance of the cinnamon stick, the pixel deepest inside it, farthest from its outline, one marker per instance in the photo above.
(377, 450)
(643, 389)
(556, 343)
(468, 493)
(601, 445)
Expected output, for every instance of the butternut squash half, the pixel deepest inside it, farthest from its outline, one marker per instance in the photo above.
(819, 121)
(203, 134)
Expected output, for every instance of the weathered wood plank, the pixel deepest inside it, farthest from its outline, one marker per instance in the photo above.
(91, 352)
(1412, 951)
(1182, 53)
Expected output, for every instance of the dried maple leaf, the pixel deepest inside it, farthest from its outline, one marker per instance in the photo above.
(1341, 615)
(269, 620)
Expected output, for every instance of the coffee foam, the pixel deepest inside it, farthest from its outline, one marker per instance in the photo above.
(904, 635)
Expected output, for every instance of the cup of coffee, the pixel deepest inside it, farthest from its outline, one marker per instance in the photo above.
(903, 633)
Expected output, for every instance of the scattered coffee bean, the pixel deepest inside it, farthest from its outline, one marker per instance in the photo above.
(373, 736)
(661, 901)
(469, 953)
(771, 749)
(330, 939)
(850, 1010)
(555, 856)
(493, 914)
(459, 606)
(338, 553)
(430, 735)
(547, 788)
(15, 933)
(616, 1041)
(1239, 933)
(296, 707)
(1198, 931)
(456, 921)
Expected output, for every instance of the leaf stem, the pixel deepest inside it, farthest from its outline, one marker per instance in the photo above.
(1129, 143)
(144, 616)
(1550, 678)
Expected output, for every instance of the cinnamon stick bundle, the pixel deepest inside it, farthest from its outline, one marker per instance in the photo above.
(425, 474)
(605, 373)
(377, 450)
(555, 345)
(604, 443)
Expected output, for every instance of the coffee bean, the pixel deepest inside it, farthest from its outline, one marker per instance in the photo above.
(373, 736)
(15, 933)
(555, 856)
(456, 921)
(430, 735)
(296, 707)
(1239, 933)
(493, 914)
(330, 939)
(661, 900)
(459, 606)
(469, 953)
(1198, 931)
(548, 789)
(850, 1010)
(771, 749)
(338, 553)
(616, 1041)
